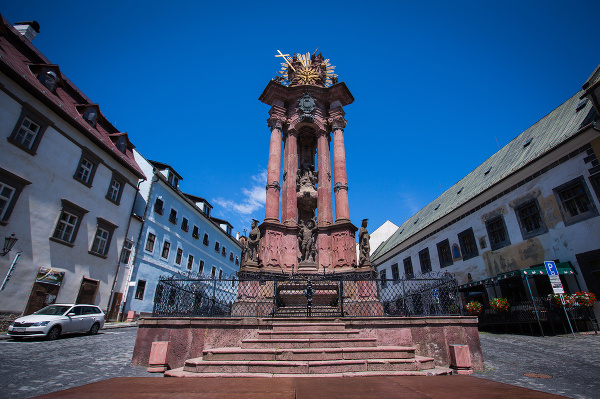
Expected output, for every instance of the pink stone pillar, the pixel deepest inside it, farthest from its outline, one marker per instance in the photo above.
(324, 199)
(339, 168)
(273, 171)
(290, 169)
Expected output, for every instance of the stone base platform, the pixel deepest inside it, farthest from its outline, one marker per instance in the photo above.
(212, 347)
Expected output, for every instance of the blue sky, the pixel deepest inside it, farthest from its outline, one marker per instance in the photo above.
(437, 85)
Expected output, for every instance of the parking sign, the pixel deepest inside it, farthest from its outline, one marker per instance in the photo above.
(551, 268)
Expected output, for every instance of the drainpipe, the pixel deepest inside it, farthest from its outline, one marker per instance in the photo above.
(112, 289)
(137, 245)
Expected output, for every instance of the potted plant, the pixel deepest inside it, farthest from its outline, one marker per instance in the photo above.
(474, 307)
(555, 300)
(500, 304)
(587, 299)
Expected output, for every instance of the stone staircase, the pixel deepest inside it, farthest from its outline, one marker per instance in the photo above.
(308, 350)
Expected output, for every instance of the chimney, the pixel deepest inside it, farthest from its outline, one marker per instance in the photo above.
(237, 236)
(29, 29)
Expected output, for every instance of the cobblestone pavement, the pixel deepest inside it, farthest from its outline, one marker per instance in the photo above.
(574, 364)
(35, 367)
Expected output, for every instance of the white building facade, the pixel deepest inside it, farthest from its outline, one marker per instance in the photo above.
(68, 180)
(537, 199)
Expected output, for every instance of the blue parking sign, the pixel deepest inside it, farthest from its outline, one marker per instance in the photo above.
(551, 268)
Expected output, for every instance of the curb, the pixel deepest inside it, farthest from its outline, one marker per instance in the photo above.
(107, 326)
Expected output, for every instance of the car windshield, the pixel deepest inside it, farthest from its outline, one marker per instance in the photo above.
(53, 310)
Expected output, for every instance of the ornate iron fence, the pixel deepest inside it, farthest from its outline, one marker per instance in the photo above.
(284, 295)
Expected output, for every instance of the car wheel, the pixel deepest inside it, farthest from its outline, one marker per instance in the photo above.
(94, 329)
(54, 333)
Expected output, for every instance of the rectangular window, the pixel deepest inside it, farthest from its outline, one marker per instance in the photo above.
(165, 250)
(27, 133)
(6, 195)
(173, 216)
(190, 262)
(68, 223)
(100, 244)
(574, 201)
(28, 130)
(126, 251)
(11, 186)
(220, 274)
(159, 206)
(150, 242)
(201, 267)
(383, 278)
(444, 253)
(217, 246)
(408, 268)
(87, 168)
(65, 228)
(497, 233)
(395, 272)
(184, 225)
(115, 189)
(205, 239)
(213, 272)
(178, 256)
(139, 291)
(231, 256)
(425, 261)
(223, 251)
(530, 220)
(468, 246)
(237, 261)
(195, 232)
(104, 233)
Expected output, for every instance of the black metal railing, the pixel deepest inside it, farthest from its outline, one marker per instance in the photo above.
(312, 295)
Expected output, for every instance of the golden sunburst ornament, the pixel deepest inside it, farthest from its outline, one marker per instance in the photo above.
(306, 69)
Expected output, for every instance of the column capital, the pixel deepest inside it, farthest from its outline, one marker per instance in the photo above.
(323, 133)
(337, 122)
(276, 122)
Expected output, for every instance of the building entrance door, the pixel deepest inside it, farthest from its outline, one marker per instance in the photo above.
(589, 263)
(42, 295)
(87, 291)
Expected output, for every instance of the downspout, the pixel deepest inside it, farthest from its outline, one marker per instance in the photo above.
(112, 289)
(137, 245)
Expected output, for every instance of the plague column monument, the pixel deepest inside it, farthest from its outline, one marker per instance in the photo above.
(307, 115)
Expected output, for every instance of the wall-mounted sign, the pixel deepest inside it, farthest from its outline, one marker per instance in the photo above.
(49, 276)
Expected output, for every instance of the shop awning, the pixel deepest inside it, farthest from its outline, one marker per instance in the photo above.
(563, 268)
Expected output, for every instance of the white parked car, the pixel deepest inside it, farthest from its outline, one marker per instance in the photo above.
(54, 320)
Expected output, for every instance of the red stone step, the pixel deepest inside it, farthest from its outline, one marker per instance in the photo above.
(308, 342)
(200, 365)
(307, 334)
(431, 372)
(292, 354)
(308, 326)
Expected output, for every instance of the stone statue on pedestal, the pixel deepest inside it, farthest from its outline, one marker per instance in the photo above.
(364, 258)
(307, 240)
(252, 243)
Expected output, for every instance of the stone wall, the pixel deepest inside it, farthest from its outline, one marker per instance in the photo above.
(431, 336)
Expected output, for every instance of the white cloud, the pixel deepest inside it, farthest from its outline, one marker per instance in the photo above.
(254, 197)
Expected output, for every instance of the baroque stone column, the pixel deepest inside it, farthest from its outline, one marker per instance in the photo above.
(274, 169)
(340, 187)
(324, 199)
(290, 169)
